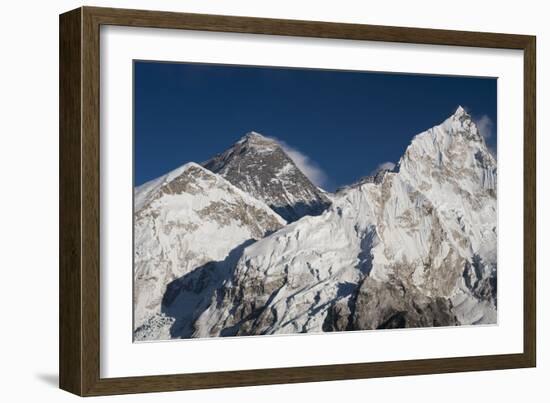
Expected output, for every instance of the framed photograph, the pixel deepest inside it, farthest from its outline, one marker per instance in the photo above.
(249, 201)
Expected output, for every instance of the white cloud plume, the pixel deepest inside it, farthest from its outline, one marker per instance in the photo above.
(309, 167)
(385, 165)
(485, 126)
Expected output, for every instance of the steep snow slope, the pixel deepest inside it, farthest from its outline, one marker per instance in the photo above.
(415, 248)
(259, 166)
(190, 226)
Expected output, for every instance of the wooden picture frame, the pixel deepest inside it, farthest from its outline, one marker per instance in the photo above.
(79, 346)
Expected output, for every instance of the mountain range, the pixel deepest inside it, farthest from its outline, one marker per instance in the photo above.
(246, 244)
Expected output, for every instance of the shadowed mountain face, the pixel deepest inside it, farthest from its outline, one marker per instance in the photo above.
(259, 166)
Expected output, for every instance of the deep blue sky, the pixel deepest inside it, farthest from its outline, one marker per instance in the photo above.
(345, 122)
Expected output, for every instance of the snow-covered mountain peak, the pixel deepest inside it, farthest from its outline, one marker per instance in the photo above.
(176, 181)
(189, 220)
(259, 141)
(450, 144)
(460, 111)
(191, 168)
(255, 136)
(461, 123)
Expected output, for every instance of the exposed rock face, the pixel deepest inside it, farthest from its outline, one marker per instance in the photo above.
(395, 305)
(259, 166)
(415, 248)
(190, 228)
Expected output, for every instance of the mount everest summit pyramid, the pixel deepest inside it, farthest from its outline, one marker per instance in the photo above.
(413, 247)
(258, 165)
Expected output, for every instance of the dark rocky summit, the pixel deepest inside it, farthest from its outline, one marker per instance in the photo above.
(258, 165)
